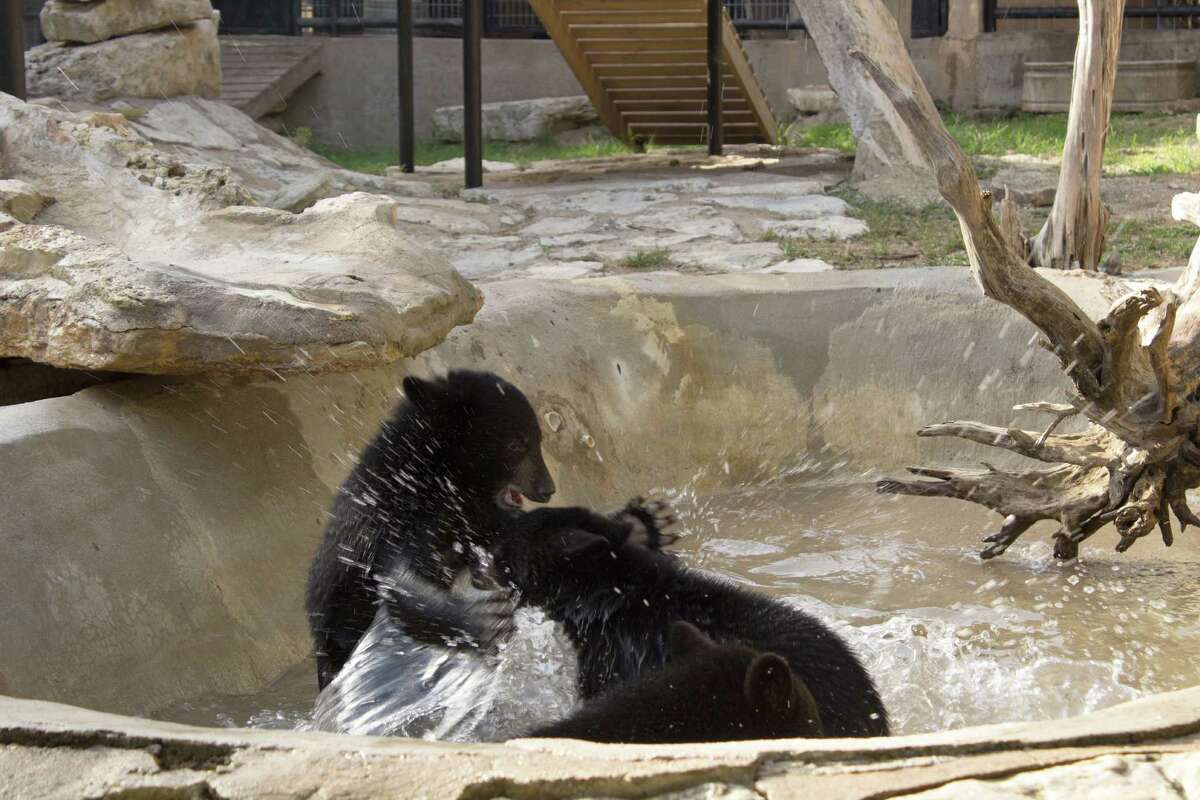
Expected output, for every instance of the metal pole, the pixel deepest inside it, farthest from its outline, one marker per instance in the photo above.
(472, 92)
(716, 136)
(989, 16)
(12, 48)
(404, 75)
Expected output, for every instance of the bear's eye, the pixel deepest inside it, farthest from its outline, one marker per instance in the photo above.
(516, 447)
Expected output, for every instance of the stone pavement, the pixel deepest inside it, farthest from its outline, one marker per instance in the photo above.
(691, 220)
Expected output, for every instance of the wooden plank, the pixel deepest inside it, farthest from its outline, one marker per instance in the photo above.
(727, 94)
(735, 56)
(648, 57)
(626, 31)
(656, 82)
(626, 5)
(547, 12)
(638, 45)
(624, 17)
(684, 116)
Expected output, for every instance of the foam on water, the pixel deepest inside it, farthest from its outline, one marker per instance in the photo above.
(951, 640)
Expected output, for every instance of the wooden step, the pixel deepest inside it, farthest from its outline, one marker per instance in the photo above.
(644, 65)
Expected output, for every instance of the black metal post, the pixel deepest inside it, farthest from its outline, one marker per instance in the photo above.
(989, 16)
(294, 18)
(716, 135)
(12, 48)
(404, 76)
(473, 92)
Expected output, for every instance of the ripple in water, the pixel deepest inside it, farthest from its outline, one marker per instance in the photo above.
(951, 641)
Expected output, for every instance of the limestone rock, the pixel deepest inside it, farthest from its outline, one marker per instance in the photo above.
(336, 287)
(813, 99)
(798, 266)
(70, 21)
(520, 120)
(835, 227)
(21, 201)
(159, 64)
(453, 166)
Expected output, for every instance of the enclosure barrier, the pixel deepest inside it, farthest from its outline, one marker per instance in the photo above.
(993, 12)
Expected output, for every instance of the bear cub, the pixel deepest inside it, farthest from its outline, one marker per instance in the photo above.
(430, 494)
(617, 598)
(706, 692)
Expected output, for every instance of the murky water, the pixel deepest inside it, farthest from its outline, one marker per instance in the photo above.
(952, 641)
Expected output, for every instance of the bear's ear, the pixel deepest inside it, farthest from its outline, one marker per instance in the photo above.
(769, 686)
(425, 395)
(685, 639)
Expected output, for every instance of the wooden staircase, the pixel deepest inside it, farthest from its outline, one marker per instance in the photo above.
(643, 65)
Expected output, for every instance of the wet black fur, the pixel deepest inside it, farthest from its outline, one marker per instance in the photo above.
(705, 693)
(422, 497)
(617, 599)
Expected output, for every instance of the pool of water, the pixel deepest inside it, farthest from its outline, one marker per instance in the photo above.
(951, 640)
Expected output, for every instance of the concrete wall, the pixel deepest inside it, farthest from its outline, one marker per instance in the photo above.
(353, 100)
(156, 533)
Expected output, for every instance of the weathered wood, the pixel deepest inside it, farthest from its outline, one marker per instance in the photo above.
(1073, 235)
(1135, 371)
(654, 52)
(886, 145)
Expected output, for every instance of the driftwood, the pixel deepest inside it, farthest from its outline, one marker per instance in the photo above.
(1136, 371)
(1073, 235)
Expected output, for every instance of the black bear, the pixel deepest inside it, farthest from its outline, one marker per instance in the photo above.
(430, 492)
(706, 692)
(617, 598)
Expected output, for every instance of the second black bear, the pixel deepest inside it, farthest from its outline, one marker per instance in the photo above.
(705, 693)
(617, 599)
(436, 485)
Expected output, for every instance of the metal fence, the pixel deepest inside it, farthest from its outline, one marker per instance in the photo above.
(1160, 14)
(502, 18)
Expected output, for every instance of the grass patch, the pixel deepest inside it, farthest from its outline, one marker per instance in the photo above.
(654, 258)
(1150, 245)
(374, 161)
(899, 235)
(1138, 144)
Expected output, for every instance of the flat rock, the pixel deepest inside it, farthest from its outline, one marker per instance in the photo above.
(70, 21)
(21, 201)
(836, 227)
(160, 64)
(801, 207)
(745, 257)
(456, 165)
(798, 266)
(336, 287)
(1185, 207)
(556, 226)
(813, 99)
(520, 120)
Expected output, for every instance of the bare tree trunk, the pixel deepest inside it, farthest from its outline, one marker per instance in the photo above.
(1136, 372)
(885, 146)
(1073, 236)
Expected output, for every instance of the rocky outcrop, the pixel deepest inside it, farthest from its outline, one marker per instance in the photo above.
(520, 120)
(89, 22)
(334, 288)
(21, 201)
(183, 60)
(150, 259)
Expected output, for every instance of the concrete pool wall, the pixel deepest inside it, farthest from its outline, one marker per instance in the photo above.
(158, 531)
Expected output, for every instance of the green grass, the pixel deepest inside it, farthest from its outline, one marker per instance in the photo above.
(654, 258)
(374, 161)
(899, 235)
(1138, 144)
(1145, 245)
